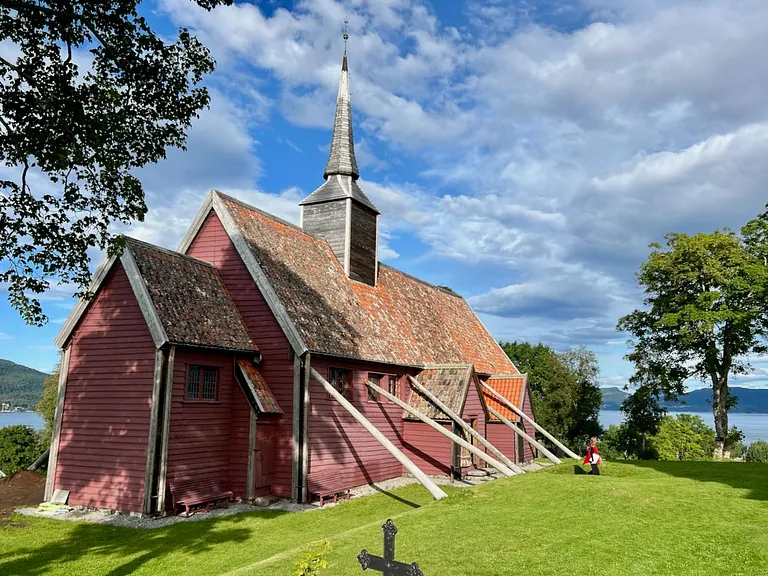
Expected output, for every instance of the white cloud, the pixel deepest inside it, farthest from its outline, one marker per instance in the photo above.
(4, 336)
(547, 157)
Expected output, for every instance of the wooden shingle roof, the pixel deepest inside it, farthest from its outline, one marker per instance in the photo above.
(189, 298)
(449, 385)
(183, 299)
(257, 389)
(512, 387)
(401, 320)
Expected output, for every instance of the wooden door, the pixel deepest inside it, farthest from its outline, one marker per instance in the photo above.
(467, 458)
(263, 458)
(520, 448)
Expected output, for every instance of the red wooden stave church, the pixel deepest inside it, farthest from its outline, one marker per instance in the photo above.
(196, 364)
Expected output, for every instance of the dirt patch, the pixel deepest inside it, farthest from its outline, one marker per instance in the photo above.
(20, 489)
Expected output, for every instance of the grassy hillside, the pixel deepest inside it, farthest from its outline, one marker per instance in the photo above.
(19, 385)
(662, 518)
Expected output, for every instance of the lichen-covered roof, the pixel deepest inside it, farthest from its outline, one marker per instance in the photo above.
(401, 320)
(257, 386)
(190, 299)
(449, 385)
(512, 388)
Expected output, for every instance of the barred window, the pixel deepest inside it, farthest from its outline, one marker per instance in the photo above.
(392, 385)
(341, 380)
(201, 382)
(374, 379)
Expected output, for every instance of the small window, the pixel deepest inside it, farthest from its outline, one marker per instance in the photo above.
(374, 379)
(392, 385)
(201, 382)
(341, 380)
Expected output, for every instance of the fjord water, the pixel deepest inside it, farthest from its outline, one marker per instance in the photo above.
(754, 426)
(29, 418)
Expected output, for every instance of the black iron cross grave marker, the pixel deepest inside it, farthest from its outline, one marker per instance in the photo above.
(387, 565)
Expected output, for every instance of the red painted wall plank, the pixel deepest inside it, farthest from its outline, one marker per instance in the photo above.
(342, 453)
(528, 453)
(427, 448)
(213, 245)
(207, 439)
(105, 423)
(502, 438)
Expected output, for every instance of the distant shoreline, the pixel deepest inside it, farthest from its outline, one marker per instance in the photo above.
(617, 408)
(754, 425)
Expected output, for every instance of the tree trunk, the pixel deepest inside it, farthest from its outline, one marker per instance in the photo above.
(720, 413)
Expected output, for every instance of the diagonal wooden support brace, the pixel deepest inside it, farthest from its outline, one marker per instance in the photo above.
(466, 427)
(425, 480)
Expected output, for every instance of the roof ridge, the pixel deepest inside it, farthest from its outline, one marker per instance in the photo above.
(412, 277)
(265, 213)
(300, 229)
(449, 366)
(168, 251)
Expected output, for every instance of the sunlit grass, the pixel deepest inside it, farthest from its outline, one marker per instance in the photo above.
(696, 518)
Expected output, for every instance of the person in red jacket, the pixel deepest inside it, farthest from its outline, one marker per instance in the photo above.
(593, 457)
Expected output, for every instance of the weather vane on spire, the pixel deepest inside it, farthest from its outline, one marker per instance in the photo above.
(346, 34)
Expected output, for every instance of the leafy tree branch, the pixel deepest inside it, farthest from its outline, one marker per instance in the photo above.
(79, 135)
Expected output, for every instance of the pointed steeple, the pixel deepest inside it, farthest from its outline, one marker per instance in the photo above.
(339, 211)
(341, 172)
(341, 159)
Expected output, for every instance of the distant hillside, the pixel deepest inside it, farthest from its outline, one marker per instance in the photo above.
(750, 401)
(19, 385)
(612, 398)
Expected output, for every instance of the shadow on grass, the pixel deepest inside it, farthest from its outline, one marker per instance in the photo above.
(395, 497)
(136, 545)
(752, 477)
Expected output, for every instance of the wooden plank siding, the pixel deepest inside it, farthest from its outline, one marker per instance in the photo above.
(105, 422)
(529, 452)
(239, 442)
(213, 245)
(428, 449)
(209, 438)
(329, 221)
(362, 246)
(342, 454)
(503, 438)
(473, 409)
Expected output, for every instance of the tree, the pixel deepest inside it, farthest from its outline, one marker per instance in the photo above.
(642, 418)
(685, 437)
(614, 444)
(757, 451)
(588, 398)
(47, 405)
(704, 312)
(549, 384)
(20, 445)
(563, 389)
(79, 134)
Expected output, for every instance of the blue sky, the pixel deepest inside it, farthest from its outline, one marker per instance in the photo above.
(523, 153)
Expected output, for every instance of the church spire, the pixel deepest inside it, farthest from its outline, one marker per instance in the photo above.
(339, 211)
(341, 159)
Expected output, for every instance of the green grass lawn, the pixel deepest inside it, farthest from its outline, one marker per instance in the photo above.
(669, 518)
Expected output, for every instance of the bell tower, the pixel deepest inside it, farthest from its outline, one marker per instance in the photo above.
(339, 211)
